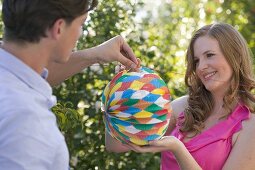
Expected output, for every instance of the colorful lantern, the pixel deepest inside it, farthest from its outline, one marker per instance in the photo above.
(136, 106)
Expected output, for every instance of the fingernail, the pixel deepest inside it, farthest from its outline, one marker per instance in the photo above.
(133, 66)
(122, 67)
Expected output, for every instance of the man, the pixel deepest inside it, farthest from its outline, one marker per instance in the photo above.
(41, 34)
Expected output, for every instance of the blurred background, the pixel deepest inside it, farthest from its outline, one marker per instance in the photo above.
(158, 32)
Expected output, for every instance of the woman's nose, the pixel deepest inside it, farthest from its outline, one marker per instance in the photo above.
(202, 65)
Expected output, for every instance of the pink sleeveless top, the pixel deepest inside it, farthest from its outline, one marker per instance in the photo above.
(211, 148)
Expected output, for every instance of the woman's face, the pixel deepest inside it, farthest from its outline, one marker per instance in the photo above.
(211, 66)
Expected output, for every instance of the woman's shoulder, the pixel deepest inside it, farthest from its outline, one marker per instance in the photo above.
(247, 131)
(249, 124)
(179, 105)
(243, 147)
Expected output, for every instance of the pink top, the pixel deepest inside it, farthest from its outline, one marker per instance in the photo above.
(211, 148)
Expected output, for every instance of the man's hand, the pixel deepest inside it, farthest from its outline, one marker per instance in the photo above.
(116, 49)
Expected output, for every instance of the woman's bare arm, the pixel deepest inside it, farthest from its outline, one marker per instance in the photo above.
(242, 156)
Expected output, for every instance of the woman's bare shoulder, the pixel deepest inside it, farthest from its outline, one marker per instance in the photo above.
(249, 125)
(179, 104)
(242, 155)
(247, 131)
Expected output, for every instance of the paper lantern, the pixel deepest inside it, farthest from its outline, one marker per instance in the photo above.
(136, 106)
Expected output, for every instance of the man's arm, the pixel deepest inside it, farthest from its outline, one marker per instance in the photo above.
(58, 72)
(115, 49)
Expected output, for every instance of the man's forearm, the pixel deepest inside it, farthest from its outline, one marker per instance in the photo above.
(79, 60)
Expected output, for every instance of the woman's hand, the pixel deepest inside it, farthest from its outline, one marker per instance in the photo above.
(172, 144)
(169, 143)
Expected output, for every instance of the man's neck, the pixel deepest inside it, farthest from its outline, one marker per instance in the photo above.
(34, 55)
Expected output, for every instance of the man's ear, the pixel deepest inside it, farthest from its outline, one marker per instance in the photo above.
(57, 29)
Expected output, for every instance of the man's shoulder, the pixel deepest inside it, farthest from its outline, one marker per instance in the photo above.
(16, 100)
(10, 83)
(13, 92)
(8, 80)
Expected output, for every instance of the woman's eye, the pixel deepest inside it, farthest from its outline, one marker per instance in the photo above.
(209, 54)
(196, 62)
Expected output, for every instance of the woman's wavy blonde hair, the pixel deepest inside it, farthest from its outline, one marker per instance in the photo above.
(239, 57)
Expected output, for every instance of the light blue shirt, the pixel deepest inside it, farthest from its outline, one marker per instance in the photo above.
(29, 136)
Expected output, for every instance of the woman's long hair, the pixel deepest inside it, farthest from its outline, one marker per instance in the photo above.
(239, 57)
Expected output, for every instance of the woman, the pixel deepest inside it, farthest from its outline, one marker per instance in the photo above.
(213, 127)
